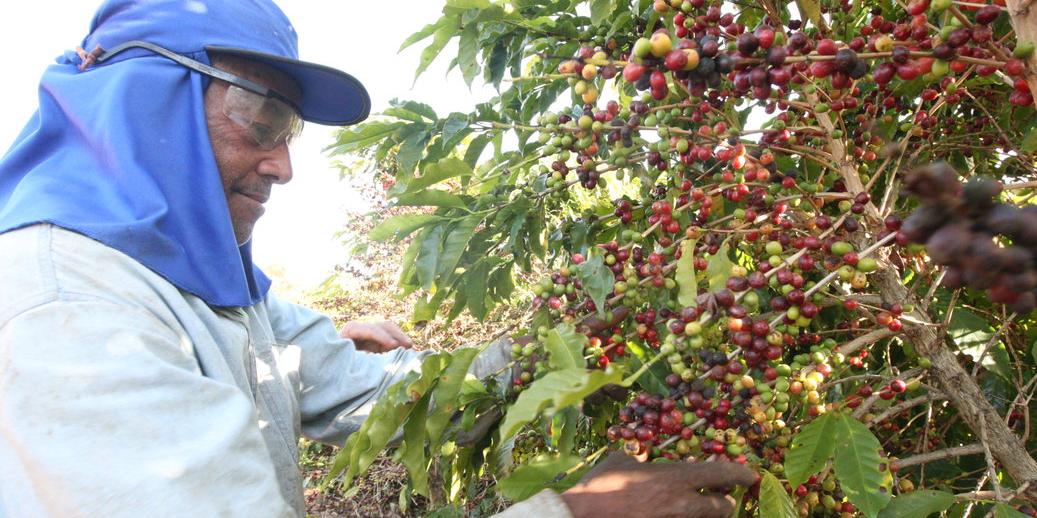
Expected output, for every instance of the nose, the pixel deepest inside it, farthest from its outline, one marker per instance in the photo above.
(277, 164)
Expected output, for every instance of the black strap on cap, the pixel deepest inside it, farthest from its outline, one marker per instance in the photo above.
(198, 66)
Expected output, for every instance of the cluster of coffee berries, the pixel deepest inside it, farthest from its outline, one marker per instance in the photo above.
(983, 243)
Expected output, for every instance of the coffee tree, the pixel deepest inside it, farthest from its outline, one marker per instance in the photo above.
(798, 236)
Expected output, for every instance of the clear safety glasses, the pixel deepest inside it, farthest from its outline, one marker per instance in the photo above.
(269, 121)
(270, 118)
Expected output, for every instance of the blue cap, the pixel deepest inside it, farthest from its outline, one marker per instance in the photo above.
(329, 96)
(251, 29)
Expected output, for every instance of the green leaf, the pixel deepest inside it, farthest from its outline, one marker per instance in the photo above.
(1029, 142)
(565, 347)
(653, 16)
(967, 329)
(378, 429)
(1005, 511)
(431, 198)
(428, 257)
(535, 231)
(812, 10)
(563, 429)
(600, 11)
(469, 4)
(534, 477)
(439, 40)
(425, 32)
(448, 511)
(422, 110)
(401, 226)
(774, 501)
(460, 302)
(412, 452)
(475, 149)
(655, 379)
(918, 504)
(452, 129)
(719, 268)
(426, 308)
(502, 283)
(467, 50)
(493, 72)
(972, 333)
(598, 280)
(555, 391)
(475, 282)
(857, 464)
(405, 114)
(811, 449)
(362, 136)
(688, 287)
(578, 235)
(407, 264)
(431, 366)
(456, 242)
(445, 394)
(437, 172)
(619, 22)
(410, 152)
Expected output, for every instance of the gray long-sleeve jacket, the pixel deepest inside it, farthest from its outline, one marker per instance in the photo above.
(121, 395)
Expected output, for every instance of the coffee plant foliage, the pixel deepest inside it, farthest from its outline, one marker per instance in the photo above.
(792, 235)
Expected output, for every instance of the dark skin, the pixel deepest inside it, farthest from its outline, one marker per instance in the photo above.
(664, 490)
(248, 174)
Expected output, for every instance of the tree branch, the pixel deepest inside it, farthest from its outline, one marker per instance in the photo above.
(933, 456)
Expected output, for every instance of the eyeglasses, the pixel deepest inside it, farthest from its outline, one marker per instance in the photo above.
(270, 118)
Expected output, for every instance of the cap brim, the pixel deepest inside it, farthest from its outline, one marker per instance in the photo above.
(329, 96)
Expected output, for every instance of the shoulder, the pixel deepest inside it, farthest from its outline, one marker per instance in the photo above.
(44, 263)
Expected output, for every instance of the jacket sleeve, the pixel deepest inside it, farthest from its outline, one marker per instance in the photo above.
(104, 411)
(545, 504)
(338, 384)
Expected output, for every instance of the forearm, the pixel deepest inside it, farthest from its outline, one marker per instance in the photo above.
(338, 385)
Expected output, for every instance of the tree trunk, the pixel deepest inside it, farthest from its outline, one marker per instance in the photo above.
(1023, 15)
(960, 388)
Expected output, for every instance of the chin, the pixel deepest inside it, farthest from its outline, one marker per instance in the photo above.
(243, 235)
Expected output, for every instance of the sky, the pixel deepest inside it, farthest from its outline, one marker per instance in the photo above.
(296, 235)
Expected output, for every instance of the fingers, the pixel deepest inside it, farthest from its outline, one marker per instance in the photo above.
(401, 338)
(375, 337)
(616, 461)
(596, 325)
(595, 398)
(713, 506)
(619, 314)
(719, 475)
(613, 391)
(525, 339)
(616, 392)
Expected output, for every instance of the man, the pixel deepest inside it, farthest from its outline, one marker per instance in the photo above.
(144, 366)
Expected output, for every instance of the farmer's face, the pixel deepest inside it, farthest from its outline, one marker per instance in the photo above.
(247, 171)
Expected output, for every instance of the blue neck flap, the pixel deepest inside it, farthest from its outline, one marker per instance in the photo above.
(120, 152)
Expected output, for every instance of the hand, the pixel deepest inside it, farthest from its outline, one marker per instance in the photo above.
(375, 337)
(622, 487)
